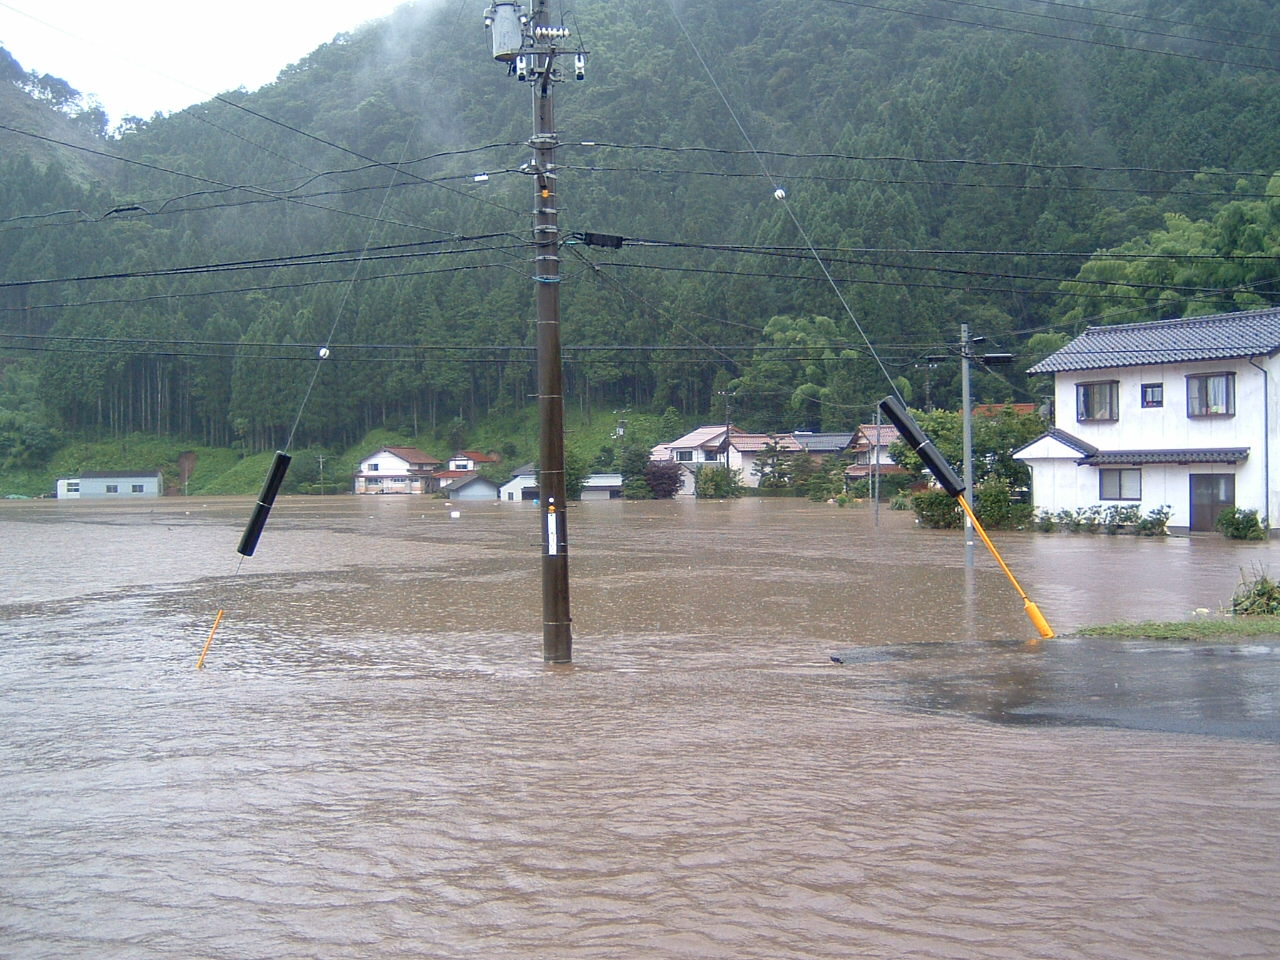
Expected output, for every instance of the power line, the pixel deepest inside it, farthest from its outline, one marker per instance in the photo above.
(1252, 32)
(902, 181)
(326, 258)
(1051, 36)
(258, 288)
(1094, 23)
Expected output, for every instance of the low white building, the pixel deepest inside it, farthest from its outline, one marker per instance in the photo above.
(524, 486)
(1176, 413)
(468, 486)
(111, 485)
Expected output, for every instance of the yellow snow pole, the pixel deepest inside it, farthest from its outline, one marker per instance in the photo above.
(216, 620)
(1033, 612)
(932, 458)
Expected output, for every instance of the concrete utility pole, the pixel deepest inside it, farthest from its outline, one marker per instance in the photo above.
(966, 402)
(967, 419)
(530, 45)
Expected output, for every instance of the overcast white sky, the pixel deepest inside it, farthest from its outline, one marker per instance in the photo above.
(140, 56)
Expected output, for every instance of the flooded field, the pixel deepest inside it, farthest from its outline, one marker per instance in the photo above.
(376, 763)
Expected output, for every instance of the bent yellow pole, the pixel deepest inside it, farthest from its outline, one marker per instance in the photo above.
(216, 620)
(1033, 612)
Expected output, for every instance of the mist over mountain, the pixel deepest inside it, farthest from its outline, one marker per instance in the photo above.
(948, 162)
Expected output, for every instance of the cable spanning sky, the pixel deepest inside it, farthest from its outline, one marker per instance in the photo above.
(142, 56)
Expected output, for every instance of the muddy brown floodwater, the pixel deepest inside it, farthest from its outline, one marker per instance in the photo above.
(376, 763)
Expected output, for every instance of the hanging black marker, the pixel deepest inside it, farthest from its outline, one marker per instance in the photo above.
(249, 542)
(923, 446)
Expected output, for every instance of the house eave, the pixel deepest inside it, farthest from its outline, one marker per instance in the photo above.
(1137, 458)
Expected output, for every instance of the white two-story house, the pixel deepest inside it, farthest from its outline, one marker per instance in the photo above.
(396, 470)
(1177, 413)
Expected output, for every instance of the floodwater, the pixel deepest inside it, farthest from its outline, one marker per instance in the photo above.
(376, 763)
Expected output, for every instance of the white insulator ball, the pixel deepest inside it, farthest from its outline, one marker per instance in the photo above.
(324, 352)
(779, 194)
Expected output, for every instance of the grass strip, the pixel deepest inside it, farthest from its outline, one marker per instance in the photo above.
(1223, 629)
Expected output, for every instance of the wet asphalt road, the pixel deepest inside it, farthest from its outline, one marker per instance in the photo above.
(1211, 689)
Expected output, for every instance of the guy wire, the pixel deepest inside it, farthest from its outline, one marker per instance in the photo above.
(781, 195)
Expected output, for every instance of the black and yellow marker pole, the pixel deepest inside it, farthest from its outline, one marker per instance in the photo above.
(253, 529)
(915, 438)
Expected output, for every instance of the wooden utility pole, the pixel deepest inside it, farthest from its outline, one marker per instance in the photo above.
(530, 44)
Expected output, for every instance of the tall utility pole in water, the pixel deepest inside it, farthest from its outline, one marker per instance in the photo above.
(529, 44)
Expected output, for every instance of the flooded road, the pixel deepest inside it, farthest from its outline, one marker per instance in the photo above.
(376, 763)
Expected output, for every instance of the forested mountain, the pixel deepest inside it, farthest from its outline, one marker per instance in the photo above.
(1025, 166)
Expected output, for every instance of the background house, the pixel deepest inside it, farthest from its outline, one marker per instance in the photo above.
(396, 470)
(871, 451)
(745, 448)
(122, 484)
(471, 460)
(823, 444)
(1177, 413)
(697, 447)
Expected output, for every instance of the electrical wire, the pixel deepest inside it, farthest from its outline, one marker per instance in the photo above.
(1094, 23)
(901, 181)
(781, 195)
(1050, 36)
(894, 158)
(328, 258)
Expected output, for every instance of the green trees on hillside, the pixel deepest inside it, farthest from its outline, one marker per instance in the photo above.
(943, 173)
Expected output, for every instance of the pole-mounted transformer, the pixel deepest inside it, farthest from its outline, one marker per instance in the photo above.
(505, 22)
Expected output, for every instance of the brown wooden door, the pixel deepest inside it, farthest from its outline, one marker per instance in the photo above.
(1211, 493)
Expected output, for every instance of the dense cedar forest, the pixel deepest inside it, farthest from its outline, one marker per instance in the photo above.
(1026, 167)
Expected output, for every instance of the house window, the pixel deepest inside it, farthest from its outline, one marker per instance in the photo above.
(113, 488)
(373, 468)
(1098, 401)
(710, 456)
(136, 488)
(684, 456)
(1125, 484)
(1153, 394)
(1211, 395)
(73, 486)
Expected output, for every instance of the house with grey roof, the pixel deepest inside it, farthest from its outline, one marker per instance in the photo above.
(1176, 413)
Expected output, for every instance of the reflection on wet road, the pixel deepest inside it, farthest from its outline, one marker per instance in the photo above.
(1216, 689)
(376, 763)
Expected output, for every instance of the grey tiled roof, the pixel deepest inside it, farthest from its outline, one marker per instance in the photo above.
(1221, 336)
(823, 442)
(1070, 439)
(1223, 455)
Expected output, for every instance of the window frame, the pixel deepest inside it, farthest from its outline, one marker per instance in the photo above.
(1083, 389)
(1152, 395)
(113, 488)
(684, 456)
(1229, 377)
(1119, 473)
